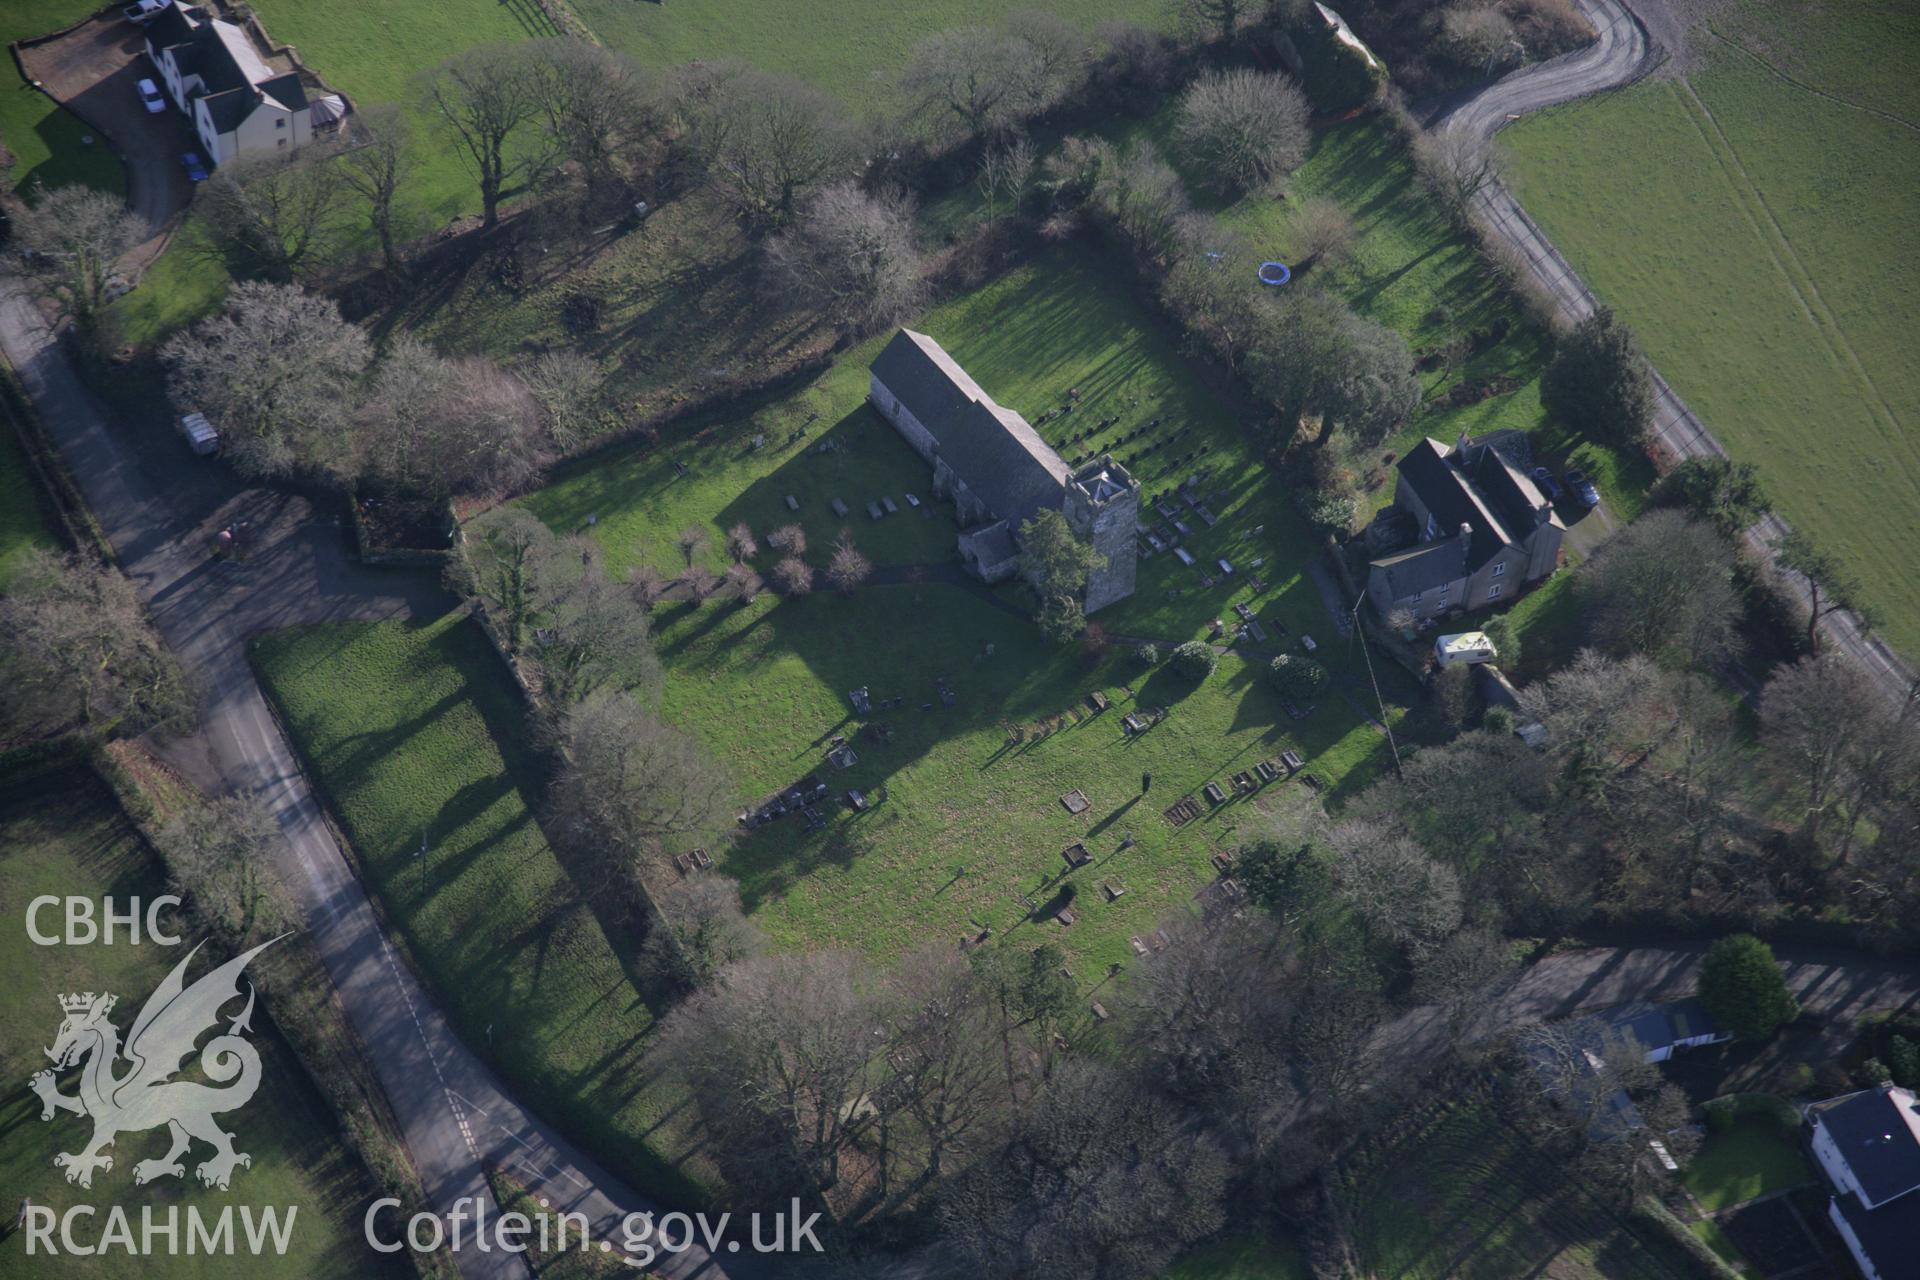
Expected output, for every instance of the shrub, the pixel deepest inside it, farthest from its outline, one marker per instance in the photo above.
(1297, 679)
(1742, 988)
(1195, 660)
(1332, 512)
(1873, 1073)
(1147, 655)
(1497, 720)
(1903, 1058)
(1598, 383)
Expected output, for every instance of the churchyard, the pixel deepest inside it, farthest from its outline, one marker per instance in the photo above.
(968, 841)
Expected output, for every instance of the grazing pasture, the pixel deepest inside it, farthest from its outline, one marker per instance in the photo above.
(64, 834)
(1759, 236)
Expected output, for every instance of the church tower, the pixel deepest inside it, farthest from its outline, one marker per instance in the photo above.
(1103, 507)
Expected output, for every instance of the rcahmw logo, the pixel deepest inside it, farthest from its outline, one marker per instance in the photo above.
(130, 1087)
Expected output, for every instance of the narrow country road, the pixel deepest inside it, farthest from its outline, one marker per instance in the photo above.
(1837, 987)
(160, 507)
(1623, 54)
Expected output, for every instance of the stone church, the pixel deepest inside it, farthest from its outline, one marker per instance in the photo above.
(997, 470)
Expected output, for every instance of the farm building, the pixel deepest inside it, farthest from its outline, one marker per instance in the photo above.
(998, 472)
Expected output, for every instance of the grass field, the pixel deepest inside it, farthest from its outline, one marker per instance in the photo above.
(1463, 1194)
(63, 834)
(853, 49)
(1761, 240)
(1244, 1258)
(23, 517)
(1751, 1158)
(414, 734)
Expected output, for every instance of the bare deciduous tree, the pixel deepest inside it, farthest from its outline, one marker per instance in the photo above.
(741, 546)
(789, 539)
(701, 930)
(75, 648)
(793, 577)
(647, 583)
(1101, 1178)
(630, 780)
(278, 373)
(219, 856)
(378, 167)
(1246, 129)
(1663, 586)
(1005, 170)
(848, 568)
(853, 256)
(276, 216)
(692, 540)
(596, 106)
(73, 238)
(1058, 49)
(944, 1043)
(566, 385)
(440, 426)
(488, 102)
(1405, 896)
(1825, 727)
(743, 582)
(782, 1053)
(597, 637)
(983, 79)
(1140, 194)
(1456, 166)
(1323, 232)
(769, 139)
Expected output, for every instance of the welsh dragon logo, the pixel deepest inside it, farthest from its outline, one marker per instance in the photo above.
(145, 1094)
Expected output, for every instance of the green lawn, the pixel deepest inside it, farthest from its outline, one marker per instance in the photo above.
(23, 516)
(414, 734)
(1761, 241)
(371, 49)
(977, 786)
(46, 141)
(1464, 1194)
(63, 834)
(853, 49)
(1243, 1258)
(1753, 1157)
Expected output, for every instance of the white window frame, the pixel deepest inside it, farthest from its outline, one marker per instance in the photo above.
(1493, 592)
(1500, 569)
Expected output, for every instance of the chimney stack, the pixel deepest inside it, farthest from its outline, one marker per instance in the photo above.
(1466, 537)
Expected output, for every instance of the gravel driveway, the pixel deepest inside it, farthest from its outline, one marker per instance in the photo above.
(93, 71)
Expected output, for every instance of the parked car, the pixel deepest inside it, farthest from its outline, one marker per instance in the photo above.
(145, 10)
(195, 166)
(1583, 488)
(1544, 480)
(150, 98)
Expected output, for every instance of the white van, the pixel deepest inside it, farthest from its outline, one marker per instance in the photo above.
(201, 436)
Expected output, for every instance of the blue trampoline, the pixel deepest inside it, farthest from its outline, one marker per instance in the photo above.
(1275, 273)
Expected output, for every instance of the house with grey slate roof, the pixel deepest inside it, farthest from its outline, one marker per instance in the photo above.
(1868, 1145)
(997, 471)
(1484, 532)
(240, 102)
